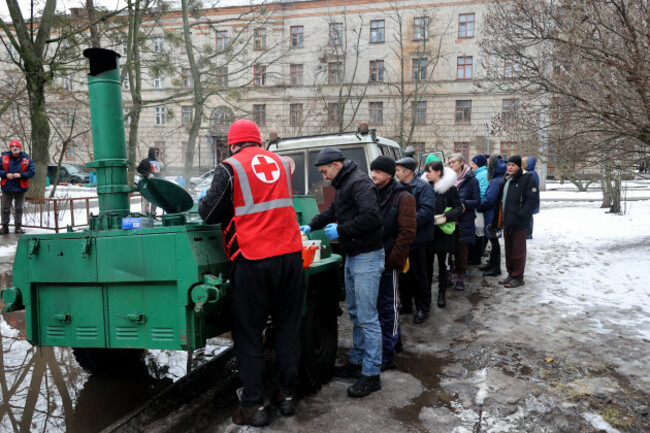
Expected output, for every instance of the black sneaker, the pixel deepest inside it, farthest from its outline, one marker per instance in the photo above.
(255, 416)
(365, 385)
(284, 404)
(348, 370)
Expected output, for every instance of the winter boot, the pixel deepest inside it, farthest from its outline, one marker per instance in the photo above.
(460, 283)
(442, 298)
(365, 385)
(4, 230)
(255, 416)
(492, 272)
(19, 230)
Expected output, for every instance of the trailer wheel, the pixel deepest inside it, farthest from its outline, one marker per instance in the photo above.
(318, 339)
(107, 361)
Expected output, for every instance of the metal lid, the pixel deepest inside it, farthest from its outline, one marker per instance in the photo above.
(167, 195)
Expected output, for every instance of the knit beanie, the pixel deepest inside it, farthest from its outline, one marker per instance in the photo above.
(479, 160)
(515, 159)
(431, 157)
(244, 131)
(15, 143)
(385, 164)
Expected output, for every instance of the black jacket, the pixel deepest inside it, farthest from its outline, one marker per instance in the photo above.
(469, 192)
(521, 200)
(150, 165)
(356, 211)
(446, 196)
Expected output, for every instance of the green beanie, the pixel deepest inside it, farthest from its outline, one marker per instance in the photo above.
(431, 157)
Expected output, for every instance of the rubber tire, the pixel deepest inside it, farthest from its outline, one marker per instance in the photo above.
(99, 361)
(318, 339)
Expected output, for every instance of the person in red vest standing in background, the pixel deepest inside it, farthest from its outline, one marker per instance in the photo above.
(251, 196)
(17, 169)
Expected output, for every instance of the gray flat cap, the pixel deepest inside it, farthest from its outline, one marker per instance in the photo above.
(328, 155)
(407, 162)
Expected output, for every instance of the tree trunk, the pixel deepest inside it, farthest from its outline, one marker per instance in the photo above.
(607, 188)
(615, 193)
(40, 131)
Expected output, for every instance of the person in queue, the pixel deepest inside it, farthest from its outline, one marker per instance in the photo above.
(354, 219)
(251, 196)
(17, 169)
(397, 207)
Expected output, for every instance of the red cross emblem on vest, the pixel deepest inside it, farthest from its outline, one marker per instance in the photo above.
(265, 168)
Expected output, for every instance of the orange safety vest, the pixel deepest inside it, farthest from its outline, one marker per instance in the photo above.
(24, 183)
(264, 223)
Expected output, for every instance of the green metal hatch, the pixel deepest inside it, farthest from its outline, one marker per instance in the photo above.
(167, 195)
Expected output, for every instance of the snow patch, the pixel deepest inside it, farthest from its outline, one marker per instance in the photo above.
(599, 423)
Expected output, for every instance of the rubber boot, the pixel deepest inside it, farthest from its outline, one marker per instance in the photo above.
(442, 298)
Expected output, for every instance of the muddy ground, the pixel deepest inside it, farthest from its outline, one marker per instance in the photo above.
(495, 360)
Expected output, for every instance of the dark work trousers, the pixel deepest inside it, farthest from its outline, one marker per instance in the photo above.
(495, 254)
(443, 268)
(261, 287)
(413, 284)
(476, 251)
(19, 200)
(388, 308)
(515, 246)
(461, 254)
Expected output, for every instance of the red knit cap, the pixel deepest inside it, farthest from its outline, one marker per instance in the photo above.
(244, 131)
(15, 143)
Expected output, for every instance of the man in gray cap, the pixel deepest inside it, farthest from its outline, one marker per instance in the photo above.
(414, 284)
(359, 231)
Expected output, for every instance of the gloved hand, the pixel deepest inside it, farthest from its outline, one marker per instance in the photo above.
(332, 231)
(305, 229)
(202, 194)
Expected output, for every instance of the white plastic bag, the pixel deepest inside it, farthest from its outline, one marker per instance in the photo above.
(479, 222)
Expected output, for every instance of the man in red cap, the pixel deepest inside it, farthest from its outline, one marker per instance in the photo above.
(251, 196)
(17, 168)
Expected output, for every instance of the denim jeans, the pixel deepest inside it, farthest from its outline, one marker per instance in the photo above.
(362, 275)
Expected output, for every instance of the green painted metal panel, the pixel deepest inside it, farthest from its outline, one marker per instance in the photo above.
(62, 260)
(143, 315)
(70, 315)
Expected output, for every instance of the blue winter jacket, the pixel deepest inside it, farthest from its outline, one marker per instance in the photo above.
(530, 168)
(489, 203)
(470, 196)
(13, 185)
(425, 203)
(481, 176)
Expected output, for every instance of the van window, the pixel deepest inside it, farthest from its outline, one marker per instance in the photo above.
(358, 155)
(298, 176)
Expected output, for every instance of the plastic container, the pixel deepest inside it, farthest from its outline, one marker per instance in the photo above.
(308, 253)
(314, 243)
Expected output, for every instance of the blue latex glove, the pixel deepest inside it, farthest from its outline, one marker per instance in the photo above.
(203, 192)
(332, 231)
(305, 229)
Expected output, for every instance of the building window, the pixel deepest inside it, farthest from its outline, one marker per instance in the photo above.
(158, 44)
(187, 114)
(420, 112)
(419, 69)
(259, 38)
(67, 82)
(333, 113)
(464, 68)
(336, 34)
(511, 67)
(222, 40)
(508, 149)
(68, 116)
(222, 76)
(376, 71)
(158, 82)
(296, 75)
(376, 113)
(259, 72)
(334, 72)
(184, 146)
(295, 115)
(70, 151)
(126, 84)
(509, 110)
(465, 26)
(188, 80)
(259, 114)
(13, 52)
(420, 28)
(161, 115)
(127, 116)
(67, 50)
(462, 147)
(125, 45)
(160, 145)
(297, 36)
(377, 33)
(463, 111)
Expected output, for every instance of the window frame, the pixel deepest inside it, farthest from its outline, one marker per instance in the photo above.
(511, 66)
(159, 82)
(464, 108)
(378, 31)
(419, 112)
(160, 115)
(375, 113)
(259, 114)
(466, 27)
(222, 76)
(462, 147)
(187, 114)
(222, 40)
(377, 69)
(259, 75)
(297, 36)
(509, 110)
(464, 67)
(333, 113)
(419, 71)
(421, 29)
(158, 44)
(187, 78)
(259, 39)
(295, 114)
(336, 73)
(335, 35)
(296, 74)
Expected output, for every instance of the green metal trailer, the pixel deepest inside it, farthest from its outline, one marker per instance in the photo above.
(110, 292)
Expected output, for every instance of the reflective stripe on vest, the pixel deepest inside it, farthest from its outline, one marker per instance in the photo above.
(249, 205)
